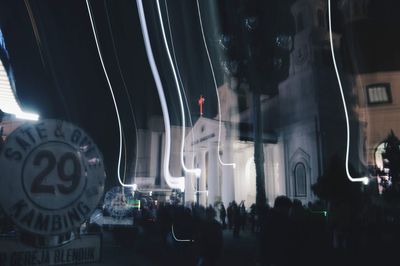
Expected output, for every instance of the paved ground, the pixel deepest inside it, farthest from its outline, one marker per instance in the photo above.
(145, 250)
(239, 251)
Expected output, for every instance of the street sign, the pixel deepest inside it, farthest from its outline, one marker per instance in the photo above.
(52, 177)
(83, 250)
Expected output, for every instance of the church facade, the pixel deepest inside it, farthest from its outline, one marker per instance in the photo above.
(304, 123)
(299, 123)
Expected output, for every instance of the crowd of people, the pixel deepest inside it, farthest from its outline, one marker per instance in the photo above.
(236, 217)
(286, 234)
(287, 228)
(193, 233)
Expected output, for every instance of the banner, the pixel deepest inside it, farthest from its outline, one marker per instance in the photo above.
(83, 250)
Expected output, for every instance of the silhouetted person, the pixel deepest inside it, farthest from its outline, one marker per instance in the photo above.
(252, 216)
(230, 215)
(209, 239)
(302, 237)
(222, 215)
(243, 215)
(277, 234)
(236, 219)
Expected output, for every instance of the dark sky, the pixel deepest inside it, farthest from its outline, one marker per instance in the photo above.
(58, 72)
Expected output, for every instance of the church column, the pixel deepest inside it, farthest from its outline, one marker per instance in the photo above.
(213, 178)
(190, 180)
(228, 175)
(202, 181)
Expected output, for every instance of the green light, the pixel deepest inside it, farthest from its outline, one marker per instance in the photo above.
(134, 204)
(324, 213)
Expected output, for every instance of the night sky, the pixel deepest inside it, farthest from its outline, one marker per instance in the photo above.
(58, 72)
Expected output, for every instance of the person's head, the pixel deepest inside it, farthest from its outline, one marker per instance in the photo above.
(210, 213)
(282, 204)
(297, 204)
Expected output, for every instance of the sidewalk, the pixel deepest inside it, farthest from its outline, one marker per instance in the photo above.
(239, 251)
(145, 251)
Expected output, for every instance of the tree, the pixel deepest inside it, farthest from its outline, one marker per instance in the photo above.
(334, 186)
(344, 198)
(391, 161)
(257, 39)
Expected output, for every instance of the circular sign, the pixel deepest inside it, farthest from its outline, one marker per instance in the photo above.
(52, 177)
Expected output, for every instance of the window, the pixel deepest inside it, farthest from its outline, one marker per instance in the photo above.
(299, 22)
(379, 93)
(300, 182)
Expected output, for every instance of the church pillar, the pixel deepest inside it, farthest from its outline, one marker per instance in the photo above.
(190, 180)
(228, 175)
(202, 181)
(213, 178)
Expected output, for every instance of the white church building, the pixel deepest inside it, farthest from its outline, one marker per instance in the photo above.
(300, 122)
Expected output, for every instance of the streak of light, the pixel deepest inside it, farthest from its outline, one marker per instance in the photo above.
(179, 240)
(363, 179)
(125, 87)
(8, 101)
(216, 89)
(172, 182)
(45, 54)
(182, 86)
(35, 30)
(201, 191)
(196, 171)
(112, 94)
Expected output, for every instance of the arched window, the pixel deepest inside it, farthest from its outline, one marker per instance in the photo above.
(300, 180)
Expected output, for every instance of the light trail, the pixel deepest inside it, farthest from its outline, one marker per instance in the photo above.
(179, 240)
(126, 90)
(216, 88)
(182, 86)
(195, 171)
(363, 179)
(35, 30)
(172, 182)
(113, 97)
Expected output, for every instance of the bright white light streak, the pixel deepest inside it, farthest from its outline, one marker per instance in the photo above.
(27, 116)
(126, 90)
(179, 76)
(8, 102)
(179, 240)
(216, 89)
(182, 86)
(363, 179)
(195, 171)
(172, 182)
(112, 94)
(202, 191)
(35, 30)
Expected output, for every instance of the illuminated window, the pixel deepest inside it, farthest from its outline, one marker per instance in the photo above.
(300, 182)
(379, 93)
